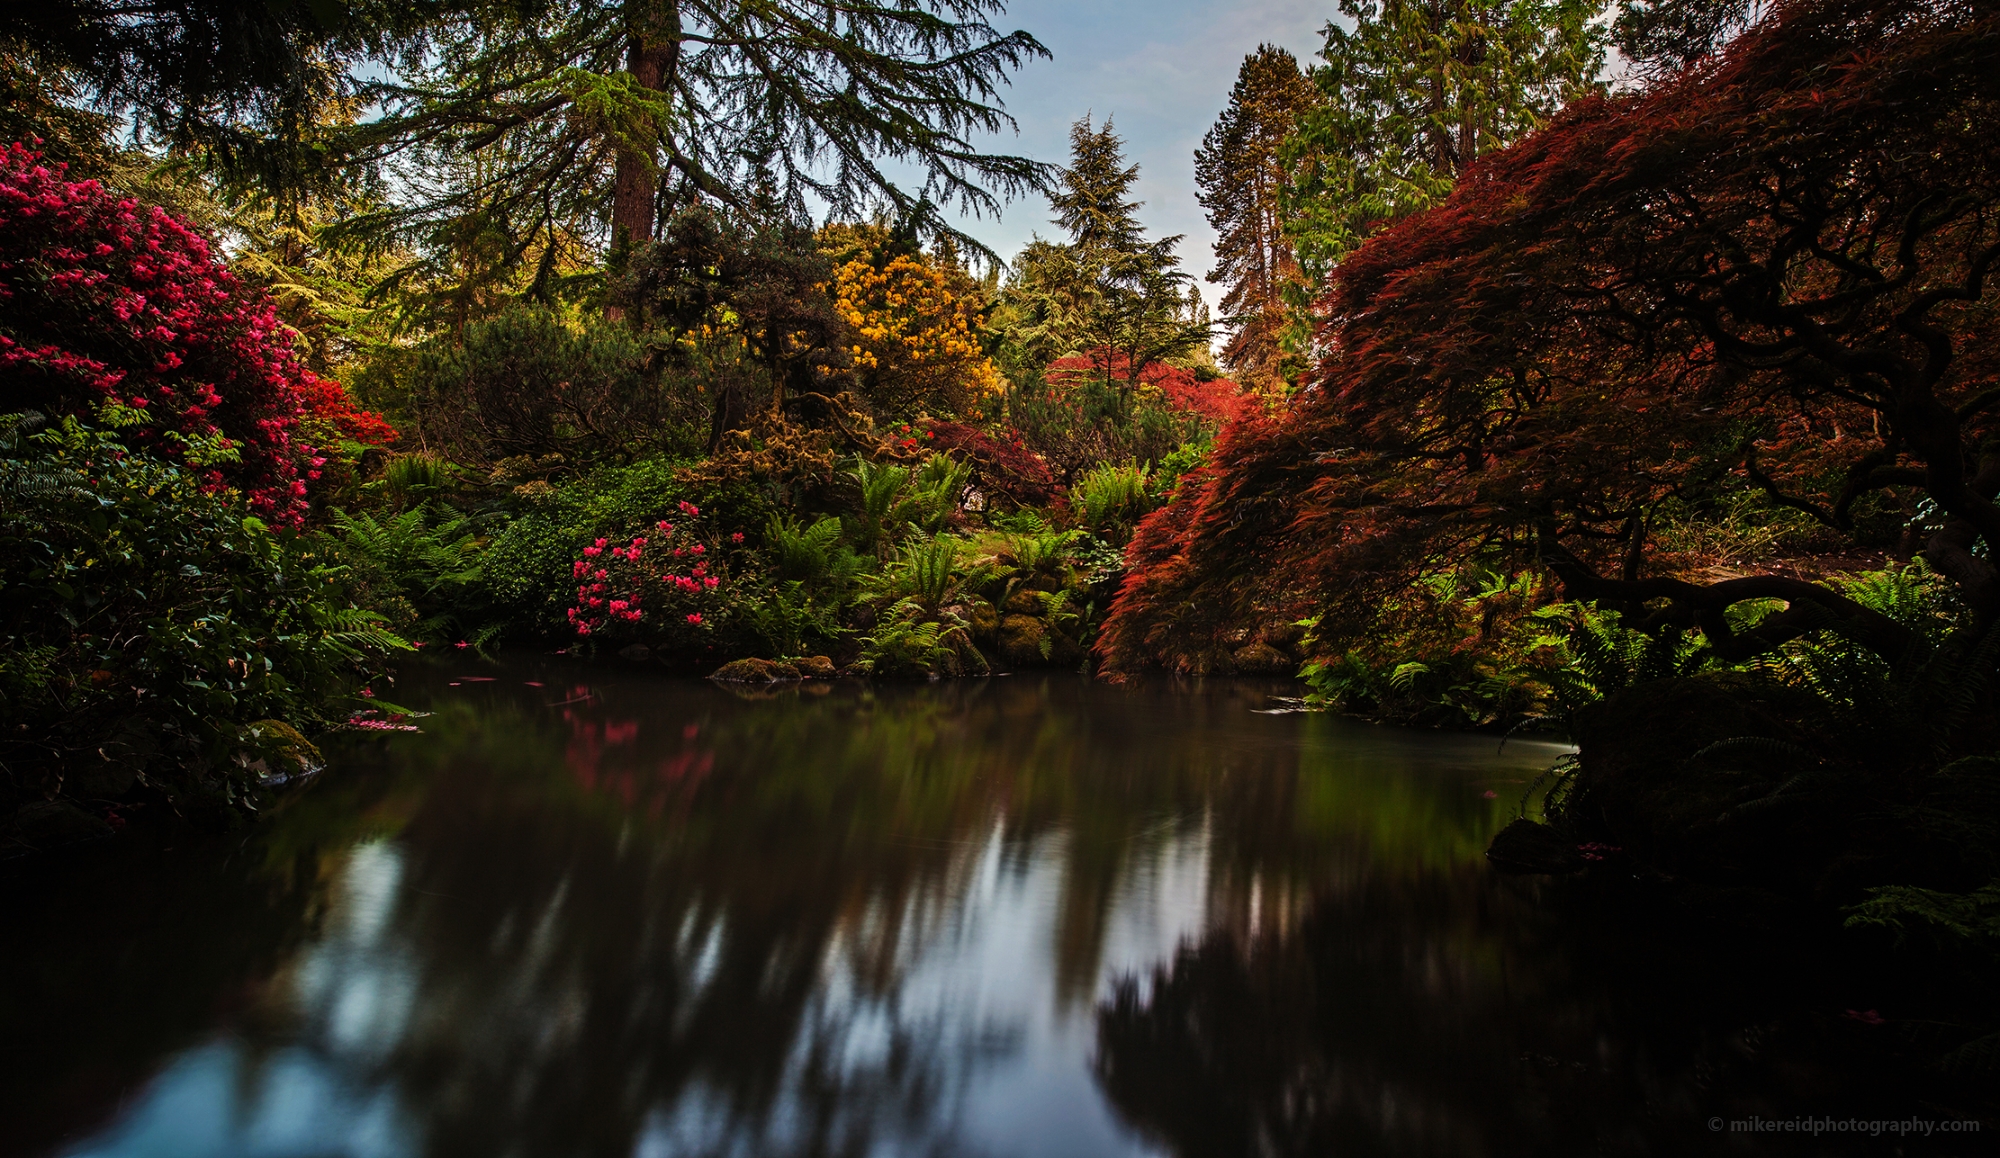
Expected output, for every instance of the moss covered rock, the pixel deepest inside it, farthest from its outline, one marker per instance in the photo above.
(277, 751)
(982, 617)
(1021, 639)
(1024, 602)
(757, 671)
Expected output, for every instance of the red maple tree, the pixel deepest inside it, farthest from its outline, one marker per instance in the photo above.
(1214, 398)
(1770, 272)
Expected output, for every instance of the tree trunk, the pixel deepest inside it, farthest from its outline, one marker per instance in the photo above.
(635, 182)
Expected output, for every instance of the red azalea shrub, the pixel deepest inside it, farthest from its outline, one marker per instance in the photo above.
(672, 582)
(103, 301)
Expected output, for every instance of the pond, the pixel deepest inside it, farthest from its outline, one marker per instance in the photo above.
(592, 912)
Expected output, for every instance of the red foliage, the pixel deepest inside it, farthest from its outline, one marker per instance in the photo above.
(1005, 469)
(1192, 572)
(1215, 399)
(102, 301)
(1769, 272)
(327, 402)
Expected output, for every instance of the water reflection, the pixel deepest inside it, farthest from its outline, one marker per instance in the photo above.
(628, 916)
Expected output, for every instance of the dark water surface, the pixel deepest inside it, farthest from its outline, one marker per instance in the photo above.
(592, 913)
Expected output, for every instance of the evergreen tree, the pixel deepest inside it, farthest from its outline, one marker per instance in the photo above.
(1417, 91)
(1108, 293)
(609, 117)
(1090, 197)
(247, 87)
(1240, 179)
(1661, 37)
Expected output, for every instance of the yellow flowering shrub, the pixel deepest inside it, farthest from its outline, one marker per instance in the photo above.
(916, 345)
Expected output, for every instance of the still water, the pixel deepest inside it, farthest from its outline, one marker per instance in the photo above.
(596, 913)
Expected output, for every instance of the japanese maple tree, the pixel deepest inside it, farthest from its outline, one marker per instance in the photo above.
(1771, 271)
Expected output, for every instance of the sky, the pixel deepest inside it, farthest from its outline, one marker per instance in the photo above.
(1162, 69)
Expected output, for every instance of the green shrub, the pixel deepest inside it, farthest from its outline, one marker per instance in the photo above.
(535, 381)
(1456, 651)
(147, 618)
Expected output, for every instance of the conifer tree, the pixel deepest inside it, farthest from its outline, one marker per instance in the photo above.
(1090, 196)
(1660, 37)
(607, 118)
(1240, 178)
(1109, 292)
(1416, 92)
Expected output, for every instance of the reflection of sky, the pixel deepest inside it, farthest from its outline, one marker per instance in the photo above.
(216, 1102)
(974, 982)
(353, 990)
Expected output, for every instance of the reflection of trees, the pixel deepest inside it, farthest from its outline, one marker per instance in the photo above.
(743, 884)
(620, 910)
(1434, 1015)
(708, 941)
(1380, 1025)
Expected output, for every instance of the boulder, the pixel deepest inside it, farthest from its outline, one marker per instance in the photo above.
(1021, 639)
(982, 617)
(756, 671)
(1024, 602)
(1263, 659)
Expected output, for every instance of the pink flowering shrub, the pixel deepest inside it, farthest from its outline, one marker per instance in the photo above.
(103, 301)
(669, 587)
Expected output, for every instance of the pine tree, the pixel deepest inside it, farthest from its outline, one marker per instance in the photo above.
(1109, 293)
(1238, 172)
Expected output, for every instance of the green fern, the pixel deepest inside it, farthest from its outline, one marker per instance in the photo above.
(906, 643)
(939, 490)
(1973, 916)
(887, 511)
(812, 555)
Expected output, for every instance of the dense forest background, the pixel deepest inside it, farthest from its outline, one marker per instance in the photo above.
(1621, 373)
